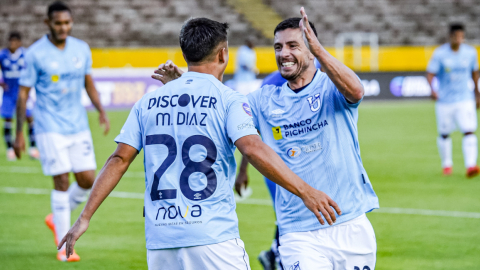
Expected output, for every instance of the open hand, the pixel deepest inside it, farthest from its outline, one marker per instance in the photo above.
(319, 202)
(79, 228)
(167, 72)
(311, 39)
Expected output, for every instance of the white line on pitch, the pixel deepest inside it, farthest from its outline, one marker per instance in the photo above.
(387, 210)
(35, 170)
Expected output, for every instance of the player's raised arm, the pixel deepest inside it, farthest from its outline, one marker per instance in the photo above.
(19, 145)
(343, 77)
(268, 163)
(111, 173)
(95, 98)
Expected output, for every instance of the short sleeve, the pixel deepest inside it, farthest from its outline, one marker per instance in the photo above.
(474, 60)
(131, 132)
(28, 75)
(340, 97)
(252, 101)
(239, 117)
(88, 62)
(434, 64)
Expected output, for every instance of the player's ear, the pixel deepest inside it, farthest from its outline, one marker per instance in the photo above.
(223, 55)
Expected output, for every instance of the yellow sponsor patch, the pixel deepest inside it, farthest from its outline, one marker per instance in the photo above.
(55, 78)
(277, 133)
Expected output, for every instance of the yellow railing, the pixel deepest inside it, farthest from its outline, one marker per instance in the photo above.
(390, 58)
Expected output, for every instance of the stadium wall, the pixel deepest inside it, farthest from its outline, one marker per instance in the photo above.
(390, 58)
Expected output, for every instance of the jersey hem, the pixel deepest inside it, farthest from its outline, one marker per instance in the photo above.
(339, 221)
(188, 244)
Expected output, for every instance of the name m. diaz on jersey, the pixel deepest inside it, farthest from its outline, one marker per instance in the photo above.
(187, 129)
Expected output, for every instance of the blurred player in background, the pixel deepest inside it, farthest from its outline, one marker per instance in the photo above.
(12, 62)
(268, 258)
(59, 67)
(455, 64)
(245, 67)
(311, 123)
(189, 129)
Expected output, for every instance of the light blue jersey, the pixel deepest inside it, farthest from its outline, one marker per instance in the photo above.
(315, 133)
(454, 72)
(187, 129)
(59, 79)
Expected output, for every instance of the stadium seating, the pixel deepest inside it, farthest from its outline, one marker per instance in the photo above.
(152, 23)
(398, 22)
(123, 23)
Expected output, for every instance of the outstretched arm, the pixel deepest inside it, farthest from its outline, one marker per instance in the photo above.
(95, 98)
(430, 77)
(19, 145)
(111, 173)
(343, 77)
(272, 166)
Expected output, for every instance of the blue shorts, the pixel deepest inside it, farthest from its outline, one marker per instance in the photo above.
(9, 104)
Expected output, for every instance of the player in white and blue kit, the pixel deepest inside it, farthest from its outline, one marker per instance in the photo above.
(189, 130)
(59, 67)
(245, 67)
(12, 62)
(455, 64)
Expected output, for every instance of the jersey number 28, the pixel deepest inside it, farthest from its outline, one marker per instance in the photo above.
(191, 167)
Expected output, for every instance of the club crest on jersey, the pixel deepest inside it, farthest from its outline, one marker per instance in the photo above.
(294, 152)
(247, 109)
(314, 102)
(295, 266)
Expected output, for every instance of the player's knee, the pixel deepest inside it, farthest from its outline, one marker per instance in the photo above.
(444, 136)
(85, 179)
(61, 182)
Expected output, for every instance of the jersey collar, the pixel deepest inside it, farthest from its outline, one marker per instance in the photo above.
(305, 91)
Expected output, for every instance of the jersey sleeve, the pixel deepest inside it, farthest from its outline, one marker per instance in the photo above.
(131, 132)
(28, 75)
(239, 120)
(434, 64)
(88, 62)
(340, 97)
(252, 101)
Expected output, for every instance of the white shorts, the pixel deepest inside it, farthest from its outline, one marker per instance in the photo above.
(459, 114)
(347, 246)
(61, 154)
(228, 255)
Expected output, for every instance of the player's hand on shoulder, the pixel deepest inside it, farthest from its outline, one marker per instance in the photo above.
(241, 181)
(79, 228)
(319, 202)
(167, 72)
(103, 118)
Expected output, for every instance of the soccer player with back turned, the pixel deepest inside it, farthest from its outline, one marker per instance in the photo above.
(189, 130)
(59, 67)
(455, 64)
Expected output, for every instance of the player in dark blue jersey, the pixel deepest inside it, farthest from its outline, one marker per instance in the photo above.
(12, 63)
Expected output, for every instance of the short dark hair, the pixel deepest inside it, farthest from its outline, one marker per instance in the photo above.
(57, 6)
(14, 34)
(200, 36)
(293, 23)
(456, 27)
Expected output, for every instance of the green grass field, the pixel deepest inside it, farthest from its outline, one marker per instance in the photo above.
(398, 146)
